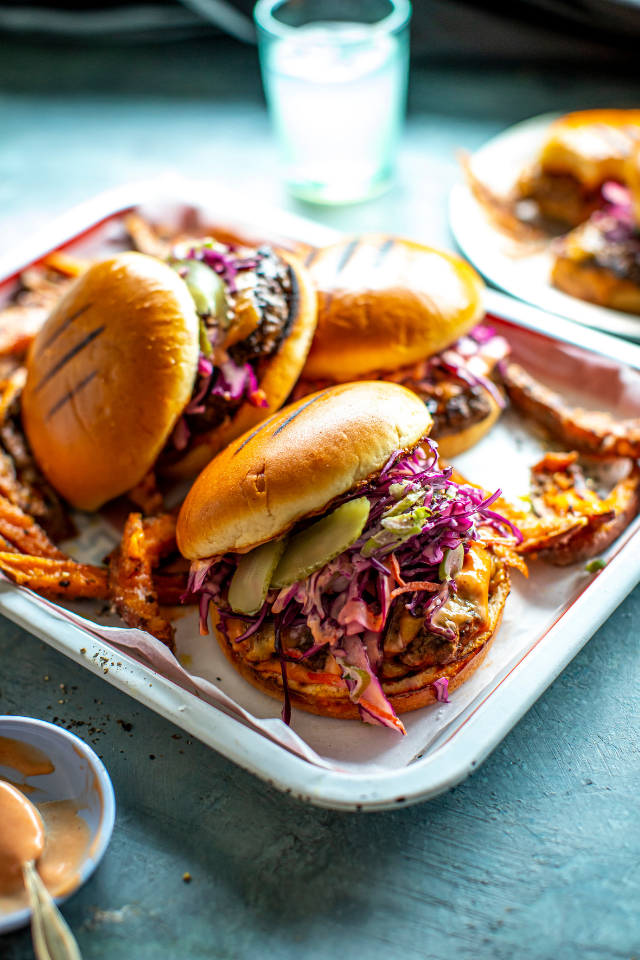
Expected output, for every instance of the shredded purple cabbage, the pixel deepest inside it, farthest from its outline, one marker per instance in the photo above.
(470, 358)
(234, 382)
(348, 602)
(441, 690)
(225, 379)
(226, 263)
(617, 217)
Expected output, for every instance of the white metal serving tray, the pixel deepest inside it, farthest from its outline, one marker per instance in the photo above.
(453, 743)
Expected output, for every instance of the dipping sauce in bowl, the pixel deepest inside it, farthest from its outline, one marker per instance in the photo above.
(49, 779)
(21, 837)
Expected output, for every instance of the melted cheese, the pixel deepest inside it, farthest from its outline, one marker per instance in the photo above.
(472, 598)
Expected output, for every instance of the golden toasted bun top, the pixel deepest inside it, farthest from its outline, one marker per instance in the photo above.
(591, 145)
(632, 179)
(108, 376)
(385, 303)
(295, 463)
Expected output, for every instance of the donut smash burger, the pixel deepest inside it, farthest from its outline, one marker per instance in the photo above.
(345, 572)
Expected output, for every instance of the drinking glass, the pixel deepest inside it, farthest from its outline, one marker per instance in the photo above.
(335, 78)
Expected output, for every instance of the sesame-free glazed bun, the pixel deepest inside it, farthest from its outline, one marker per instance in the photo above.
(591, 145)
(297, 462)
(385, 303)
(277, 380)
(632, 179)
(109, 374)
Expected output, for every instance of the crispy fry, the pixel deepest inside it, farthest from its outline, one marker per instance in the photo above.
(144, 237)
(66, 263)
(539, 533)
(509, 555)
(36, 497)
(6, 547)
(10, 487)
(170, 587)
(21, 320)
(23, 532)
(147, 496)
(19, 324)
(570, 522)
(583, 430)
(59, 579)
(133, 592)
(10, 390)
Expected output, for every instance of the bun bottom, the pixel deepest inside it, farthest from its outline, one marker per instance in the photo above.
(456, 443)
(595, 284)
(405, 694)
(277, 381)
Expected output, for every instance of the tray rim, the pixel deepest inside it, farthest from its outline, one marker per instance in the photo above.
(488, 721)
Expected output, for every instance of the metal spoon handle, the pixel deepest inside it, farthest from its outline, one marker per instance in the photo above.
(52, 938)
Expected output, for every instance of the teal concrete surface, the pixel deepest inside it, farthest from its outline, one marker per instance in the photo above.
(537, 855)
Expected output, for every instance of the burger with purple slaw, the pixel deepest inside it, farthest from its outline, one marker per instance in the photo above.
(341, 568)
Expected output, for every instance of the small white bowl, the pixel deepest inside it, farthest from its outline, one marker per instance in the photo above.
(78, 773)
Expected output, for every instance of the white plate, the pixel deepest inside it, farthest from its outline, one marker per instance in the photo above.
(547, 619)
(501, 261)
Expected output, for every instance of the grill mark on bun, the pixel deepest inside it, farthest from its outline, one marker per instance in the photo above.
(64, 326)
(79, 347)
(297, 412)
(265, 423)
(347, 253)
(386, 248)
(68, 396)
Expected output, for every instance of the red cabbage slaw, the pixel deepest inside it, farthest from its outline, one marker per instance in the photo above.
(419, 521)
(470, 359)
(226, 379)
(616, 220)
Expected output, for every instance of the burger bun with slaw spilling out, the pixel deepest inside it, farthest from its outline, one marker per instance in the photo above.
(341, 569)
(397, 310)
(152, 365)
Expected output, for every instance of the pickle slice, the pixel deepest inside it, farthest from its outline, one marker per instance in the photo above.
(310, 549)
(250, 582)
(205, 286)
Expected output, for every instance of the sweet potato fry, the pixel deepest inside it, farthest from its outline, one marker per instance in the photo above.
(144, 237)
(10, 487)
(133, 592)
(33, 495)
(21, 320)
(10, 390)
(586, 431)
(58, 579)
(570, 521)
(147, 496)
(170, 587)
(23, 532)
(66, 264)
(19, 324)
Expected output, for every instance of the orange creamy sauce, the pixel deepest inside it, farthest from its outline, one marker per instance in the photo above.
(66, 834)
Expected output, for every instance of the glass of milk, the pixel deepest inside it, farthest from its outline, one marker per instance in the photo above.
(335, 78)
